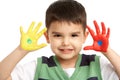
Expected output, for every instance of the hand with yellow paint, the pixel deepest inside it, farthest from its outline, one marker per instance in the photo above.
(29, 40)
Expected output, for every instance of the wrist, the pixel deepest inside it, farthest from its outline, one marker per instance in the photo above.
(109, 52)
(22, 50)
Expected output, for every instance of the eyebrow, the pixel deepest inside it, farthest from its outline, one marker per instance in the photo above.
(56, 33)
(77, 32)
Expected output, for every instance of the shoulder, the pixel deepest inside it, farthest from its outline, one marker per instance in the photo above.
(107, 70)
(90, 56)
(87, 59)
(27, 69)
(49, 61)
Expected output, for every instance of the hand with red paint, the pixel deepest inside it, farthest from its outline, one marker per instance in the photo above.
(101, 41)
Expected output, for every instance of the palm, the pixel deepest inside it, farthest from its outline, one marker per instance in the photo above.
(29, 39)
(100, 38)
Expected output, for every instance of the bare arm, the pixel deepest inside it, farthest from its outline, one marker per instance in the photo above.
(28, 43)
(114, 58)
(9, 78)
(8, 64)
(101, 43)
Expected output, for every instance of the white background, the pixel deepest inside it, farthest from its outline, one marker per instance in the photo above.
(14, 13)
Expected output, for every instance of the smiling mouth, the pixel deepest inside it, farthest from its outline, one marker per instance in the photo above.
(66, 51)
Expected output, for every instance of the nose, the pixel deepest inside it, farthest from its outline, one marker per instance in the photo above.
(66, 41)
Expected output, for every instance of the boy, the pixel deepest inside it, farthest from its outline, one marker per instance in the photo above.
(66, 32)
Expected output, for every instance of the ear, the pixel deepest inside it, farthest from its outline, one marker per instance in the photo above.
(85, 36)
(46, 36)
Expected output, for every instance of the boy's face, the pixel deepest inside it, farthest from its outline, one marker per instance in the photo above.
(65, 39)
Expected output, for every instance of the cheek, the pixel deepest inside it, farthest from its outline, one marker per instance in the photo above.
(78, 46)
(54, 43)
(77, 43)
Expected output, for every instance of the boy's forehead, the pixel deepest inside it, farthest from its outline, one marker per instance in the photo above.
(64, 27)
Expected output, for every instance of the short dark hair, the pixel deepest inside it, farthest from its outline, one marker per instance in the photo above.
(66, 10)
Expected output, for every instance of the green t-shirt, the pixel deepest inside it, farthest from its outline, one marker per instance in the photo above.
(87, 68)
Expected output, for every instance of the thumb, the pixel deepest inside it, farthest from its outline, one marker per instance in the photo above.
(41, 46)
(88, 48)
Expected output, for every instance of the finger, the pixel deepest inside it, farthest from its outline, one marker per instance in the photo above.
(31, 27)
(21, 30)
(88, 48)
(37, 28)
(103, 28)
(41, 33)
(108, 33)
(41, 46)
(96, 27)
(91, 31)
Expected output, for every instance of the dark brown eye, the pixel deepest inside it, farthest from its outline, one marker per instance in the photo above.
(57, 35)
(74, 35)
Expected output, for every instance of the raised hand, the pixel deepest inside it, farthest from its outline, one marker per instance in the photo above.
(101, 41)
(29, 40)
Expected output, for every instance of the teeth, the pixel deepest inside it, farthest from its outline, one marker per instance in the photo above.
(66, 49)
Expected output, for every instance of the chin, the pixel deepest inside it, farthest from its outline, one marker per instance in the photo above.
(66, 57)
